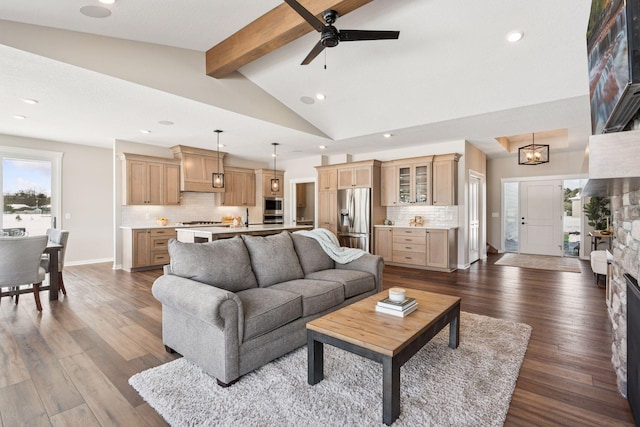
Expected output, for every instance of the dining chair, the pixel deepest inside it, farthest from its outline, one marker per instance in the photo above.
(20, 265)
(60, 237)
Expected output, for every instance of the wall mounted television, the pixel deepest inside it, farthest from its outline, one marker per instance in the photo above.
(613, 43)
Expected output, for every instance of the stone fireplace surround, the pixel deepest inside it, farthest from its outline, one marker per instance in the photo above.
(625, 210)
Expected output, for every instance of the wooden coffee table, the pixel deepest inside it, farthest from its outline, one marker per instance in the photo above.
(384, 338)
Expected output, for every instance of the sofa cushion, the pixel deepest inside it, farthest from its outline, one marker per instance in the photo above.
(311, 255)
(273, 258)
(317, 295)
(224, 263)
(355, 282)
(266, 309)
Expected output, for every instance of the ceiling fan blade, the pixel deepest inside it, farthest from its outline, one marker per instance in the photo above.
(355, 35)
(319, 47)
(308, 16)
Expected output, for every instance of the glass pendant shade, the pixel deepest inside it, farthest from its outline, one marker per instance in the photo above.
(217, 178)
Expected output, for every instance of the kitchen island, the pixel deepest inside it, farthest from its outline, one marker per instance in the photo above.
(209, 234)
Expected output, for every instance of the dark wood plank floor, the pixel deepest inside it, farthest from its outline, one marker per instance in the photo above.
(70, 364)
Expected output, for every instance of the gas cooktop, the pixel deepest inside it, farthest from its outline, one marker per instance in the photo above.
(200, 222)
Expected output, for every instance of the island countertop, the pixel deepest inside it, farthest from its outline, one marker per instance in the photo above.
(208, 234)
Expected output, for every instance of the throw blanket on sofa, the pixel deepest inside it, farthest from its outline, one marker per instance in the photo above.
(329, 243)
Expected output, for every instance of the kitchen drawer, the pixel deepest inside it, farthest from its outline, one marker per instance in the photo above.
(159, 258)
(160, 244)
(409, 232)
(408, 239)
(413, 258)
(164, 232)
(409, 247)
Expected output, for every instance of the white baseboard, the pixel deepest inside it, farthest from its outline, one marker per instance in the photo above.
(88, 261)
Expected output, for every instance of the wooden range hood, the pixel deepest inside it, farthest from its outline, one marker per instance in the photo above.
(271, 31)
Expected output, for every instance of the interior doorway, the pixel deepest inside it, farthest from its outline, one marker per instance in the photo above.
(303, 202)
(476, 208)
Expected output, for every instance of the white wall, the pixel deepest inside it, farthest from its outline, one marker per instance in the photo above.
(568, 163)
(87, 195)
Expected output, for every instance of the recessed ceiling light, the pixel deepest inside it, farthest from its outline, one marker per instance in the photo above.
(107, 1)
(30, 101)
(165, 122)
(514, 36)
(221, 145)
(19, 117)
(387, 135)
(321, 96)
(145, 131)
(322, 147)
(95, 11)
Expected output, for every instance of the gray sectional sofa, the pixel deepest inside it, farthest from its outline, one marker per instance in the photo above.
(233, 305)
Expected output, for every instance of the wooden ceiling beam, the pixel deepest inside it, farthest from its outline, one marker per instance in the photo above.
(271, 31)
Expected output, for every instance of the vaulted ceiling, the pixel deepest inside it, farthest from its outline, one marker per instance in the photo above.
(450, 76)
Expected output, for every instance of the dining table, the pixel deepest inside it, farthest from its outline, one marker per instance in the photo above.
(53, 250)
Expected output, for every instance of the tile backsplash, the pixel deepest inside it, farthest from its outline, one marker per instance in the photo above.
(193, 207)
(435, 216)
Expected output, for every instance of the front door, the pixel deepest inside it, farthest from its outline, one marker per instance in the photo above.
(541, 217)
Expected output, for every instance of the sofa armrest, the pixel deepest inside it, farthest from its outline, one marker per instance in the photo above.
(373, 264)
(208, 303)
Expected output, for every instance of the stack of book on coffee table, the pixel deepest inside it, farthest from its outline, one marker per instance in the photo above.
(397, 308)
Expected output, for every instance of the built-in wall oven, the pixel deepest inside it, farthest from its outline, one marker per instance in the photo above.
(273, 210)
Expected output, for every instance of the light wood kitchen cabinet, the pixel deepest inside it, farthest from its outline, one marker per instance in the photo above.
(384, 243)
(149, 180)
(437, 248)
(355, 177)
(240, 187)
(442, 249)
(146, 248)
(445, 182)
(328, 210)
(418, 247)
(197, 166)
(409, 246)
(414, 181)
(301, 195)
(327, 179)
(266, 177)
(388, 184)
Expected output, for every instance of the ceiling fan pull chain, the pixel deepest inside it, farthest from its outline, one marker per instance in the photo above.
(325, 59)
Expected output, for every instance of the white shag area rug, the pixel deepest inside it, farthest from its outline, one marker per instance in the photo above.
(439, 386)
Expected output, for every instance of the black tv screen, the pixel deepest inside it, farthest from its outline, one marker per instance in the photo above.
(612, 37)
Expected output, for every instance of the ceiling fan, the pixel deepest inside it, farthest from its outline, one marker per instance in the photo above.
(330, 35)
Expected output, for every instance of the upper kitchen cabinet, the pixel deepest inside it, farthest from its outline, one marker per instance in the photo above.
(240, 187)
(445, 179)
(265, 176)
(413, 184)
(327, 178)
(150, 180)
(389, 193)
(355, 176)
(197, 167)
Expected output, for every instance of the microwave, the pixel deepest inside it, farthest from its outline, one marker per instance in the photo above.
(273, 206)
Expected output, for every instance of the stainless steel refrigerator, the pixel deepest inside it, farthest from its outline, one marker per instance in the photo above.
(354, 218)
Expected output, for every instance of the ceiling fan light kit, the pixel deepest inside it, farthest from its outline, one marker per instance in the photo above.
(330, 36)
